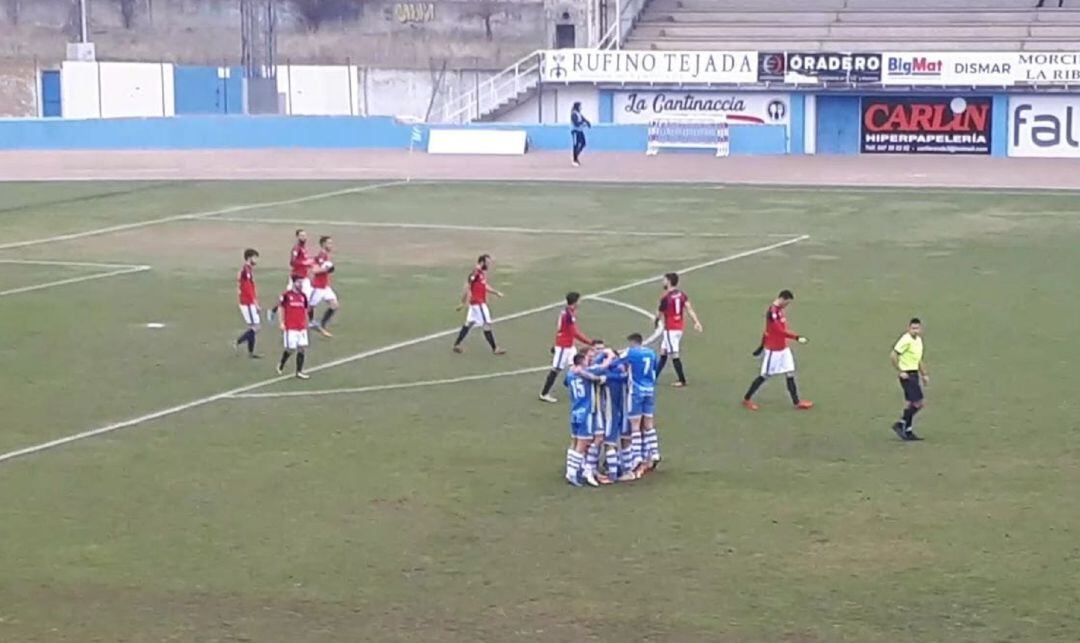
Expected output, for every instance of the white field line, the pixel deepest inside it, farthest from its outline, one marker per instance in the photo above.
(73, 264)
(623, 304)
(390, 387)
(500, 229)
(74, 280)
(197, 215)
(172, 410)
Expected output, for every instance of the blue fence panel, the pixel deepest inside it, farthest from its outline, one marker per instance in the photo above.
(51, 105)
(208, 90)
(838, 124)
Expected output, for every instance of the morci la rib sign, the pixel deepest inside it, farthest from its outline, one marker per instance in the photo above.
(628, 66)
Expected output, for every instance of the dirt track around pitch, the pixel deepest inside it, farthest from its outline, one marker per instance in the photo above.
(294, 164)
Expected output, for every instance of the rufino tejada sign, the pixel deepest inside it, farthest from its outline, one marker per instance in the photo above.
(626, 66)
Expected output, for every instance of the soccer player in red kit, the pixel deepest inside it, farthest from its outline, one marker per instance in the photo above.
(294, 323)
(776, 357)
(299, 266)
(249, 302)
(670, 322)
(566, 335)
(475, 295)
(320, 284)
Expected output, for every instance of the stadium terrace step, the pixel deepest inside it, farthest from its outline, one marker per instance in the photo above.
(734, 17)
(956, 5)
(835, 32)
(938, 17)
(675, 44)
(748, 5)
(1057, 31)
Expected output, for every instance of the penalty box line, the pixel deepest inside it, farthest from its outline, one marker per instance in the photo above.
(506, 229)
(172, 410)
(113, 270)
(198, 215)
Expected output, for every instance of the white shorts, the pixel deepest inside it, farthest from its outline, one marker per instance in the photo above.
(295, 339)
(250, 313)
(319, 295)
(478, 315)
(563, 357)
(777, 362)
(305, 287)
(670, 341)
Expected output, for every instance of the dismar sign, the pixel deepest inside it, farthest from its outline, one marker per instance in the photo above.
(926, 124)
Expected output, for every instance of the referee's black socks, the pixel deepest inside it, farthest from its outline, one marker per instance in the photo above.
(909, 417)
(754, 386)
(793, 390)
(677, 363)
(550, 381)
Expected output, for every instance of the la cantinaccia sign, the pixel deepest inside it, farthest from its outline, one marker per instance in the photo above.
(625, 66)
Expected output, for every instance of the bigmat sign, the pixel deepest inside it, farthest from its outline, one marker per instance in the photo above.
(986, 69)
(926, 125)
(737, 107)
(628, 66)
(1044, 126)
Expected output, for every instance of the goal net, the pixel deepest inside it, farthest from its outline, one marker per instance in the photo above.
(689, 134)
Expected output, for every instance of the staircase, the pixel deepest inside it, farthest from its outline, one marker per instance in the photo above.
(520, 82)
(492, 97)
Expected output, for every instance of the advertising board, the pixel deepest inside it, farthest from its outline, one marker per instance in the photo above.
(632, 66)
(981, 69)
(1044, 126)
(738, 107)
(815, 67)
(926, 125)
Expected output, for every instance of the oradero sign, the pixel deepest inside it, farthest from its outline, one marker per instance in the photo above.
(626, 66)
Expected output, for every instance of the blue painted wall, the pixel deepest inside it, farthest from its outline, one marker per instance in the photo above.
(51, 105)
(999, 126)
(838, 120)
(206, 90)
(247, 132)
(796, 137)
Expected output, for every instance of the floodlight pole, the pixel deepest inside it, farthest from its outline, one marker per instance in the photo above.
(84, 35)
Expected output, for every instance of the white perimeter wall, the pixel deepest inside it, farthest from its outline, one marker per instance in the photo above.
(115, 90)
(557, 101)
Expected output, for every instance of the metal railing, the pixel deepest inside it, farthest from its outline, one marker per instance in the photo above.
(490, 94)
(626, 14)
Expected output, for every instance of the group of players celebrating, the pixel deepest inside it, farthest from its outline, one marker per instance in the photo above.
(612, 394)
(308, 287)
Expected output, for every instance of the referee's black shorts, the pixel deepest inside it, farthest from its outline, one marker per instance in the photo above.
(912, 387)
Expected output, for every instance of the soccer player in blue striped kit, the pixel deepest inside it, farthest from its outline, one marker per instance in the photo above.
(642, 362)
(609, 426)
(579, 381)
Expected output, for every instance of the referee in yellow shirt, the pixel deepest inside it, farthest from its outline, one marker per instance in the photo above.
(907, 358)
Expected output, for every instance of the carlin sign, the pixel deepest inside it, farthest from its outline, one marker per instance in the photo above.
(926, 125)
(748, 108)
(629, 66)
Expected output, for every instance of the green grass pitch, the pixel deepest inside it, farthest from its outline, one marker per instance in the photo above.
(439, 513)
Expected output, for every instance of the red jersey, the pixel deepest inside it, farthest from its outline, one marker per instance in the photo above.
(478, 287)
(568, 330)
(776, 330)
(673, 308)
(298, 261)
(321, 279)
(294, 307)
(246, 282)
